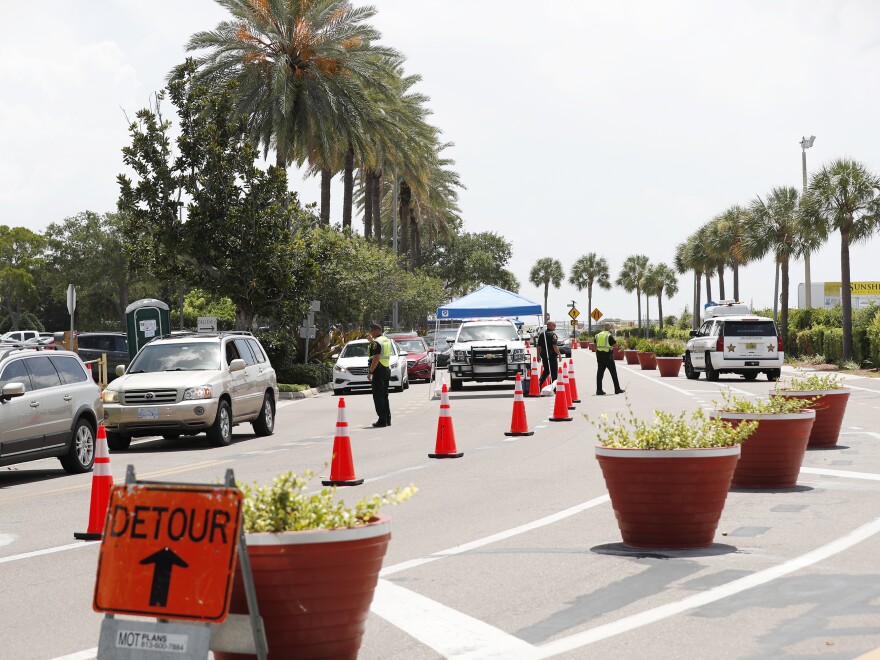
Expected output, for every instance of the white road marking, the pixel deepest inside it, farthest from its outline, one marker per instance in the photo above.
(841, 473)
(6, 539)
(88, 654)
(48, 551)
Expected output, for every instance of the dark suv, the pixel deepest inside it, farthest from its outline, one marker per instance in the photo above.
(94, 344)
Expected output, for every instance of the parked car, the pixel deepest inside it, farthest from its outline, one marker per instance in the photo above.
(19, 336)
(92, 345)
(487, 351)
(48, 407)
(437, 339)
(419, 357)
(352, 364)
(191, 384)
(563, 339)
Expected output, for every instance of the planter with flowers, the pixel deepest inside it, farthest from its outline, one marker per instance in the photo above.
(668, 355)
(772, 456)
(829, 396)
(315, 563)
(617, 352)
(646, 357)
(668, 478)
(630, 350)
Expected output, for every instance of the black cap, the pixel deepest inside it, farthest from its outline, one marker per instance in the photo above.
(376, 326)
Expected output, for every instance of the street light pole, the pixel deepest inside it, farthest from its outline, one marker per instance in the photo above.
(395, 310)
(806, 143)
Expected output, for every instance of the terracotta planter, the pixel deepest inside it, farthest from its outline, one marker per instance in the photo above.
(771, 457)
(631, 355)
(593, 346)
(668, 366)
(830, 407)
(617, 353)
(314, 588)
(647, 360)
(668, 498)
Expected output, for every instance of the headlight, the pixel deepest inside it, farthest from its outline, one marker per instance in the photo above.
(200, 392)
(110, 396)
(339, 367)
(423, 360)
(460, 356)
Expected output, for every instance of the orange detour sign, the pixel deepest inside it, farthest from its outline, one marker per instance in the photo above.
(169, 551)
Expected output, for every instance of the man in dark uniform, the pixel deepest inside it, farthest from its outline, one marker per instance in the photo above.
(379, 374)
(548, 347)
(604, 357)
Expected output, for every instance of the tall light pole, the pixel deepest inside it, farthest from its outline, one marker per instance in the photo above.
(806, 143)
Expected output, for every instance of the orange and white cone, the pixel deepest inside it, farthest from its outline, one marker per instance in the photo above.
(518, 423)
(572, 383)
(445, 445)
(342, 465)
(534, 379)
(560, 404)
(563, 376)
(574, 343)
(102, 482)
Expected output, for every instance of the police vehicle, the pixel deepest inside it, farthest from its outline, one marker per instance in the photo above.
(485, 351)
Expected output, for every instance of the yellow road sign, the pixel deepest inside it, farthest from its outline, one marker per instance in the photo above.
(596, 314)
(573, 313)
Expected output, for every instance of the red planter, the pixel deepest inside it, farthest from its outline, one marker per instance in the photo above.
(647, 360)
(631, 355)
(668, 366)
(771, 457)
(668, 498)
(314, 588)
(830, 407)
(593, 346)
(617, 352)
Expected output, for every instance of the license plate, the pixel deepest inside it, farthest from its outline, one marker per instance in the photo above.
(751, 345)
(148, 413)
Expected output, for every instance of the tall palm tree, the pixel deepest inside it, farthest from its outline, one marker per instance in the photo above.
(588, 270)
(772, 227)
(845, 195)
(662, 279)
(546, 271)
(684, 261)
(631, 278)
(731, 234)
(719, 248)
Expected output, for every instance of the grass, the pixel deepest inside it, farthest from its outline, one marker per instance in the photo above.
(284, 387)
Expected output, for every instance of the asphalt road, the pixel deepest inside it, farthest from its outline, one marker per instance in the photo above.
(511, 551)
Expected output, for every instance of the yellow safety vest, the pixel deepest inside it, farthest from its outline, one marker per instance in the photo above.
(602, 341)
(385, 355)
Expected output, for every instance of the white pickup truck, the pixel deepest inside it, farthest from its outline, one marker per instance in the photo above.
(485, 351)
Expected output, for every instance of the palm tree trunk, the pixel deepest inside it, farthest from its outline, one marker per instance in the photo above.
(279, 161)
(377, 206)
(721, 281)
(326, 176)
(736, 281)
(589, 309)
(348, 187)
(698, 285)
(368, 203)
(708, 287)
(417, 243)
(403, 224)
(638, 308)
(846, 295)
(647, 314)
(660, 307)
(783, 300)
(546, 295)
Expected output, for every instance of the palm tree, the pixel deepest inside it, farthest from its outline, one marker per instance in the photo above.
(844, 196)
(730, 233)
(772, 227)
(631, 278)
(588, 270)
(662, 279)
(683, 262)
(545, 271)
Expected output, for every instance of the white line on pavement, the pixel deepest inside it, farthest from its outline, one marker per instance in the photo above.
(841, 473)
(88, 654)
(47, 551)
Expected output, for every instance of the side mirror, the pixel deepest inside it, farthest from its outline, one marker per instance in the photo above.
(403, 353)
(450, 340)
(431, 349)
(12, 390)
(237, 365)
(120, 369)
(694, 333)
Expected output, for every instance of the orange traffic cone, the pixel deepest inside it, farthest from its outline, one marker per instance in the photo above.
(518, 423)
(560, 405)
(102, 480)
(534, 379)
(563, 376)
(445, 446)
(342, 466)
(574, 343)
(572, 383)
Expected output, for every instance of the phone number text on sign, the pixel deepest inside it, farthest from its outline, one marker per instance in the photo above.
(147, 641)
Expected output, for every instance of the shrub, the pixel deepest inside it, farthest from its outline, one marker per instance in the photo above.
(313, 375)
(669, 349)
(645, 346)
(280, 347)
(815, 382)
(775, 405)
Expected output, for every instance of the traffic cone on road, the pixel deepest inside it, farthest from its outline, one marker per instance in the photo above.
(445, 445)
(563, 376)
(534, 379)
(560, 404)
(102, 481)
(574, 343)
(518, 423)
(572, 383)
(342, 466)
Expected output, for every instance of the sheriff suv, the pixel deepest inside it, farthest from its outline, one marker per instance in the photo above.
(485, 351)
(186, 385)
(731, 341)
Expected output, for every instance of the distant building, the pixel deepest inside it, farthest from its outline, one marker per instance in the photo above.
(827, 294)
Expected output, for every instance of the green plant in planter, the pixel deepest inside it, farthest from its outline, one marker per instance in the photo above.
(669, 349)
(631, 343)
(815, 382)
(669, 431)
(282, 506)
(645, 346)
(776, 405)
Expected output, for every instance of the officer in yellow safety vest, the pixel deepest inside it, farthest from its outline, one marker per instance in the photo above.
(604, 346)
(379, 373)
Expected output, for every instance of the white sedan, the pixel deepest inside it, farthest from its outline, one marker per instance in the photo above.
(350, 370)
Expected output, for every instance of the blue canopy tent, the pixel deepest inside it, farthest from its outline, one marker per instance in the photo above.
(488, 301)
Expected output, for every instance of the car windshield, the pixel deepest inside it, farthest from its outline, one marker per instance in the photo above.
(195, 356)
(562, 334)
(355, 350)
(749, 329)
(488, 333)
(411, 345)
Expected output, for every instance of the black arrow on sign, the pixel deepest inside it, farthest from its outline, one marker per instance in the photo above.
(164, 561)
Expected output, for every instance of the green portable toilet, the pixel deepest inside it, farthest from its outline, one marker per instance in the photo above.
(145, 320)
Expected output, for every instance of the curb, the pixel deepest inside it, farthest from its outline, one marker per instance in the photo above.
(305, 394)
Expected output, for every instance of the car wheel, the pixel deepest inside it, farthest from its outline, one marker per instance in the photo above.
(750, 375)
(171, 436)
(81, 455)
(711, 374)
(118, 441)
(265, 423)
(455, 385)
(220, 433)
(689, 371)
(406, 384)
(774, 374)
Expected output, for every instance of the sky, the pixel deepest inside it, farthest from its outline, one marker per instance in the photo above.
(578, 125)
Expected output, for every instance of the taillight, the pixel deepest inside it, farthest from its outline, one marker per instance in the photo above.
(780, 346)
(719, 345)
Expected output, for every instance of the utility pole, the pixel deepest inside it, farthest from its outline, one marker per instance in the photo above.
(806, 143)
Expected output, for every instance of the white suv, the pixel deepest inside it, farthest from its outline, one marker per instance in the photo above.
(189, 384)
(734, 343)
(487, 351)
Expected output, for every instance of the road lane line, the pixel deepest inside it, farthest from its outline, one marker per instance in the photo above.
(841, 473)
(88, 654)
(47, 551)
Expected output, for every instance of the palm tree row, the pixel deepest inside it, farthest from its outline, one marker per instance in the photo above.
(320, 91)
(842, 196)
